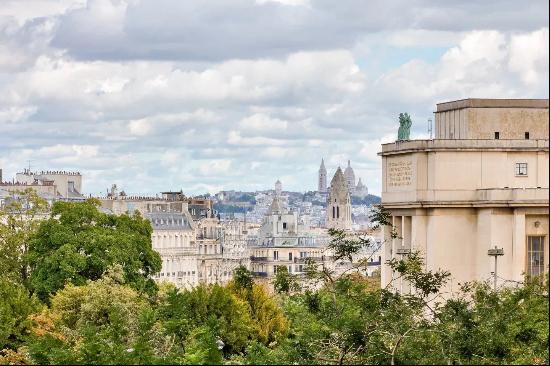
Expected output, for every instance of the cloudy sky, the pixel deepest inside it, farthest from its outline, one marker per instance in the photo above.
(210, 95)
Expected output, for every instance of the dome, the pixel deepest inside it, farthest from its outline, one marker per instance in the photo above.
(350, 177)
(338, 186)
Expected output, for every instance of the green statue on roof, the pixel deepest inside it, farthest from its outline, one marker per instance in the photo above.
(405, 123)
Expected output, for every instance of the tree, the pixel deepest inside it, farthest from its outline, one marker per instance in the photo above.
(79, 243)
(212, 306)
(243, 278)
(284, 282)
(102, 322)
(15, 308)
(19, 220)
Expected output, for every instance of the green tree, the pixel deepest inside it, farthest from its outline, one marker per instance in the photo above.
(102, 322)
(79, 243)
(213, 306)
(15, 308)
(19, 220)
(203, 348)
(243, 278)
(284, 281)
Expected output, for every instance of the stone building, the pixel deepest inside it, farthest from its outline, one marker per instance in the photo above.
(50, 185)
(283, 241)
(361, 190)
(350, 178)
(339, 203)
(278, 187)
(174, 239)
(481, 183)
(322, 181)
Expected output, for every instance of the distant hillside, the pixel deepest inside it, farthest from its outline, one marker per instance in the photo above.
(371, 199)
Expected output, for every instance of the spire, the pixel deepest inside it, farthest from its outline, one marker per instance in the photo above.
(349, 163)
(322, 165)
(275, 205)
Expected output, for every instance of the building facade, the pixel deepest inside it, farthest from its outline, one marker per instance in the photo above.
(481, 183)
(283, 241)
(50, 185)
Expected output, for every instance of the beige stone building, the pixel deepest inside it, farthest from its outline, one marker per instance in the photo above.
(283, 241)
(482, 182)
(50, 185)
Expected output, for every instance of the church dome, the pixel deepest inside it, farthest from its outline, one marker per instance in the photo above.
(338, 186)
(350, 177)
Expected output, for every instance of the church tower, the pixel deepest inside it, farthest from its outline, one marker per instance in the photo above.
(322, 183)
(339, 203)
(350, 178)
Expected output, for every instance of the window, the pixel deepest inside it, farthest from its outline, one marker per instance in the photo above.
(527, 135)
(70, 186)
(333, 212)
(535, 255)
(521, 169)
(497, 135)
(275, 255)
(284, 225)
(337, 212)
(289, 256)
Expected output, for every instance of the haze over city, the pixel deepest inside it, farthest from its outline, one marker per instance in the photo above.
(163, 95)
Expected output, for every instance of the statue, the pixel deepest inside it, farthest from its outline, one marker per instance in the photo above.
(405, 123)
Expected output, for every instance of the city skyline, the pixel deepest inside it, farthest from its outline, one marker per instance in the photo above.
(128, 93)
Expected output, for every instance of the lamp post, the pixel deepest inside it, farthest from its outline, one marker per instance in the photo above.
(402, 251)
(495, 252)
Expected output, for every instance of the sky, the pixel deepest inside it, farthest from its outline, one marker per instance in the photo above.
(203, 96)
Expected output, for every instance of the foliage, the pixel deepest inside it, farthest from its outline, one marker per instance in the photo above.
(19, 220)
(102, 322)
(345, 318)
(15, 307)
(78, 243)
(215, 307)
(345, 247)
(243, 278)
(284, 281)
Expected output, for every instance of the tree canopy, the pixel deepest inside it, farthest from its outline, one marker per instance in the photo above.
(79, 243)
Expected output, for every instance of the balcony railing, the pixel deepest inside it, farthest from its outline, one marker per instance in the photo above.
(260, 274)
(258, 259)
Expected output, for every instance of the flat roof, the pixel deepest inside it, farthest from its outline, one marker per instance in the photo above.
(492, 103)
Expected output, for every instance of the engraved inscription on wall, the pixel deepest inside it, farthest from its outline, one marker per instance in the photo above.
(400, 173)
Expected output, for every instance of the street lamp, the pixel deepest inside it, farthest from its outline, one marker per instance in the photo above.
(495, 252)
(402, 251)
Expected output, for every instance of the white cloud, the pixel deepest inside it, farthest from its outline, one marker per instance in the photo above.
(164, 94)
(529, 56)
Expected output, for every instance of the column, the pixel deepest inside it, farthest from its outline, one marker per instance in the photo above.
(519, 247)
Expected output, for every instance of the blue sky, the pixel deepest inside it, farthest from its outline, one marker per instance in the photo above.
(206, 96)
